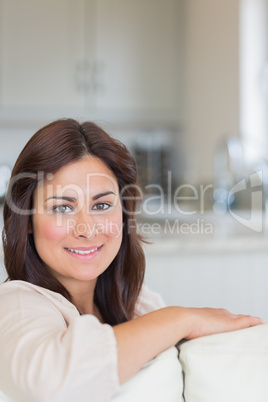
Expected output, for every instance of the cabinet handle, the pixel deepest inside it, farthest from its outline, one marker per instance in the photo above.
(89, 77)
(97, 77)
(83, 76)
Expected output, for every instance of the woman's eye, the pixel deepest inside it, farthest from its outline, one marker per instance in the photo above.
(101, 206)
(62, 209)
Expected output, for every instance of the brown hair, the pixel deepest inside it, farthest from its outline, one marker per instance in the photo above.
(54, 146)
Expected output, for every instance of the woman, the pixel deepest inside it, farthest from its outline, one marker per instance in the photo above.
(76, 320)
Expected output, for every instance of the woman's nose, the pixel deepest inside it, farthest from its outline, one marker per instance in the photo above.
(85, 226)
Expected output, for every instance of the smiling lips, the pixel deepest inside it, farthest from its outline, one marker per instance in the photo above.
(83, 251)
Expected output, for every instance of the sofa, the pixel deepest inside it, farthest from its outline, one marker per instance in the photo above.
(228, 367)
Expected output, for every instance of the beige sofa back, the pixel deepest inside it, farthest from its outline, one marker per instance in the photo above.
(229, 367)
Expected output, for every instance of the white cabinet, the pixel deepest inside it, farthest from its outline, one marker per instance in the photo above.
(103, 55)
(137, 46)
(235, 280)
(41, 48)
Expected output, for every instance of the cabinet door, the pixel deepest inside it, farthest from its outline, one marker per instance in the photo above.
(137, 54)
(42, 53)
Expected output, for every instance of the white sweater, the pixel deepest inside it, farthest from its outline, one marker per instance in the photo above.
(49, 353)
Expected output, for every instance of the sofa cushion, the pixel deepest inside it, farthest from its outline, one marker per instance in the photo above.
(231, 367)
(160, 380)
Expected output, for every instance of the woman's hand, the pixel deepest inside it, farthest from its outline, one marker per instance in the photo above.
(141, 339)
(207, 321)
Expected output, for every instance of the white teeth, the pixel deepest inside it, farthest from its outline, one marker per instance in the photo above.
(82, 252)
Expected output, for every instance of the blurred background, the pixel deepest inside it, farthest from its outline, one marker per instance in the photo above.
(184, 84)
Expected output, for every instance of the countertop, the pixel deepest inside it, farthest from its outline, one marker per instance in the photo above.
(241, 231)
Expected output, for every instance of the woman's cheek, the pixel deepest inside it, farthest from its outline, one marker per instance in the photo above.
(111, 226)
(116, 228)
(50, 230)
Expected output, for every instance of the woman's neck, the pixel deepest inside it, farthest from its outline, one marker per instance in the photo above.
(83, 298)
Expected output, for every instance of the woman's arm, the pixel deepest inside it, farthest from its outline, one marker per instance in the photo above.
(48, 352)
(141, 339)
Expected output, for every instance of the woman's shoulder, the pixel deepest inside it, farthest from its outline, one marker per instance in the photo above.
(148, 301)
(19, 293)
(17, 286)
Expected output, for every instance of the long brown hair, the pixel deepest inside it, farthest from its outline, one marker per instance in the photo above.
(54, 146)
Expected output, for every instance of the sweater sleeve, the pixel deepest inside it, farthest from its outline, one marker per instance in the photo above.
(42, 358)
(148, 301)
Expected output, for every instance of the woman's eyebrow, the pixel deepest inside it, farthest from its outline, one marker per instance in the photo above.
(69, 199)
(72, 199)
(97, 196)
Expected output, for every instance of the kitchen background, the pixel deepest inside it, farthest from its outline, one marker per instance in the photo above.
(184, 84)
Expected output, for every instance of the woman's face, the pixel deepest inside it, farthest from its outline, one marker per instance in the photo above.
(77, 224)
